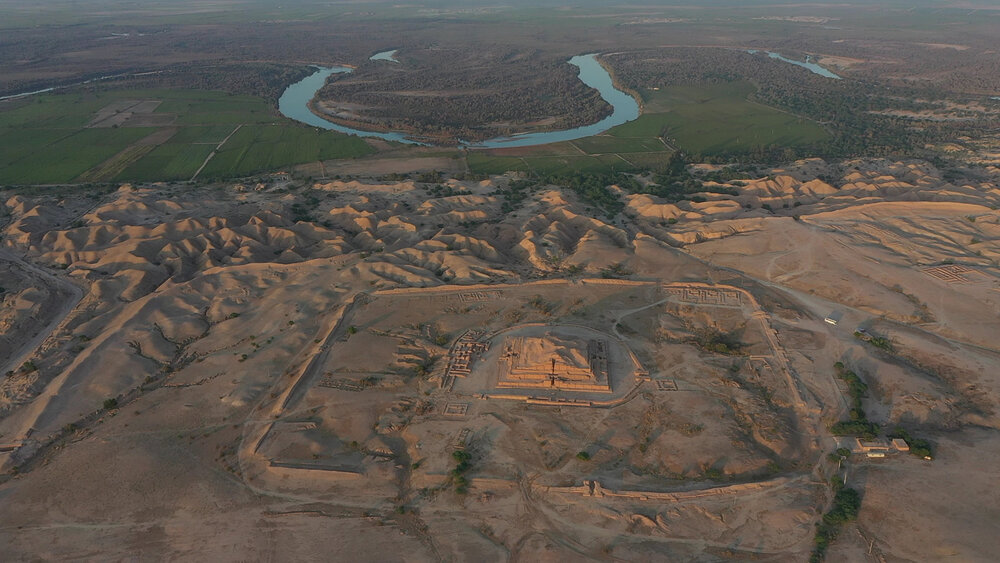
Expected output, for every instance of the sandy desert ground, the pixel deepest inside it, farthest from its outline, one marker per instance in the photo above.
(236, 372)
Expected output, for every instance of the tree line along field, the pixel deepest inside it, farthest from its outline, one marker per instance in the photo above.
(600, 153)
(51, 138)
(481, 162)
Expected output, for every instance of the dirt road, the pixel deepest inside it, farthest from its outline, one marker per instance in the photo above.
(71, 296)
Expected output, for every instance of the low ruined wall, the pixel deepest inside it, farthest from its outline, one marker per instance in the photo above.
(311, 472)
(594, 489)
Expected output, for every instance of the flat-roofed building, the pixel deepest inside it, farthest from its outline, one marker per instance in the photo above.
(874, 448)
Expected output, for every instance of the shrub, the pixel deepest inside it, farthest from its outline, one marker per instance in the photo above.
(615, 271)
(463, 465)
(110, 404)
(846, 503)
(882, 343)
(719, 342)
(714, 474)
(858, 425)
(863, 428)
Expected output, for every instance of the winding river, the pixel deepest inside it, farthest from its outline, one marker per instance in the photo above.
(294, 104)
(89, 81)
(808, 64)
(385, 56)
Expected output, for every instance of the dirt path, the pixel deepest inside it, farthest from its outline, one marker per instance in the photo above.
(668, 145)
(211, 154)
(117, 164)
(75, 294)
(622, 314)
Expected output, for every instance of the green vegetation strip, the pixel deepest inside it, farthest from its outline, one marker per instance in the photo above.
(594, 187)
(880, 342)
(858, 425)
(846, 503)
(485, 163)
(462, 465)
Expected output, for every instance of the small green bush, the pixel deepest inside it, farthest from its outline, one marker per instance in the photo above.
(846, 503)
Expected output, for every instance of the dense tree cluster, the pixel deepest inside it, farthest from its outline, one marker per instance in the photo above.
(846, 504)
(956, 64)
(853, 110)
(514, 194)
(712, 340)
(593, 187)
(858, 424)
(468, 95)
(674, 182)
(267, 80)
(28, 56)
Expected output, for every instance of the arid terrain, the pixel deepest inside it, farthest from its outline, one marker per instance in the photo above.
(370, 281)
(196, 374)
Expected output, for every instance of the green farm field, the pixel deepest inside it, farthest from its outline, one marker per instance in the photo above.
(46, 138)
(716, 118)
(705, 119)
(268, 147)
(60, 160)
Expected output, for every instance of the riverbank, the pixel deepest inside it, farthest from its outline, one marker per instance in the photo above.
(298, 103)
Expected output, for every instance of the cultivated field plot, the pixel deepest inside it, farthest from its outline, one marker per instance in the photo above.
(716, 118)
(629, 383)
(268, 147)
(154, 135)
(707, 119)
(61, 156)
